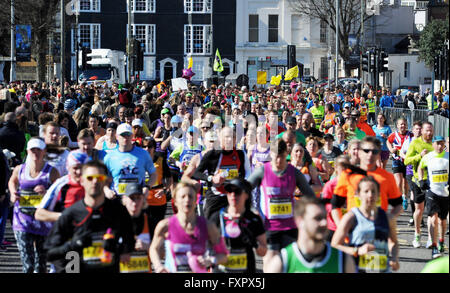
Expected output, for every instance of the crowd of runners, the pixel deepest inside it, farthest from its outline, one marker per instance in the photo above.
(296, 175)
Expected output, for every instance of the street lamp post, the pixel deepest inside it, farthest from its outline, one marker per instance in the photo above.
(12, 75)
(63, 48)
(337, 42)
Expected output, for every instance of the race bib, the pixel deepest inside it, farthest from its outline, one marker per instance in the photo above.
(440, 178)
(280, 208)
(30, 200)
(93, 252)
(123, 185)
(373, 262)
(237, 261)
(138, 264)
(232, 173)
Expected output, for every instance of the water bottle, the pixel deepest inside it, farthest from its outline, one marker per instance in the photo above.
(107, 256)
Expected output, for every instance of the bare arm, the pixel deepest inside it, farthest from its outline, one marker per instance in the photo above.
(46, 215)
(274, 264)
(13, 185)
(262, 245)
(157, 246)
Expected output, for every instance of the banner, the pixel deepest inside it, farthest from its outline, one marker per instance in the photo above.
(179, 84)
(218, 66)
(23, 43)
(291, 73)
(261, 77)
(275, 80)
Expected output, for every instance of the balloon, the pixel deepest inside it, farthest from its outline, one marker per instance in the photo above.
(188, 74)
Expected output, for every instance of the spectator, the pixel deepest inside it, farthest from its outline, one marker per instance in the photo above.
(11, 137)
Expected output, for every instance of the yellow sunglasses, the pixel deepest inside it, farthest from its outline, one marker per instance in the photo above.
(99, 177)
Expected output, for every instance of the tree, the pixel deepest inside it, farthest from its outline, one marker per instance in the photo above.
(325, 10)
(432, 39)
(40, 14)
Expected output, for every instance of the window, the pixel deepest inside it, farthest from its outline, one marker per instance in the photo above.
(88, 36)
(143, 5)
(273, 28)
(323, 67)
(253, 28)
(307, 71)
(323, 32)
(197, 67)
(197, 39)
(146, 33)
(407, 69)
(90, 5)
(197, 6)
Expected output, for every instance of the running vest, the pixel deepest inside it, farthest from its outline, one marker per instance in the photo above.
(189, 152)
(23, 217)
(178, 243)
(363, 109)
(374, 232)
(329, 120)
(157, 186)
(429, 103)
(437, 166)
(318, 114)
(277, 199)
(371, 105)
(258, 156)
(106, 149)
(229, 165)
(294, 262)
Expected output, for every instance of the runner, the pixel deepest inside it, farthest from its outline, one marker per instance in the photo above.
(108, 142)
(394, 143)
(243, 230)
(311, 252)
(128, 163)
(277, 181)
(56, 155)
(436, 187)
(219, 165)
(416, 151)
(184, 152)
(382, 132)
(27, 185)
(183, 238)
(368, 229)
(92, 227)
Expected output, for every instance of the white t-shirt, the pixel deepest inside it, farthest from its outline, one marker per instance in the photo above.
(437, 165)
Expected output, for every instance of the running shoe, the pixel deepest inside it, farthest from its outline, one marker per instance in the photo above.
(411, 222)
(416, 241)
(435, 252)
(429, 244)
(405, 203)
(441, 247)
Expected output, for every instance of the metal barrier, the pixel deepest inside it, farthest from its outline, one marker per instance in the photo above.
(440, 123)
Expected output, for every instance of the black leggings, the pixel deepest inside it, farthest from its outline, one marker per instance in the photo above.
(154, 215)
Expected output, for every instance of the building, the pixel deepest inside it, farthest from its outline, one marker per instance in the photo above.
(266, 28)
(172, 30)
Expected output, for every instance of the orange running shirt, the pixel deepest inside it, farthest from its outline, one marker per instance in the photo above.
(348, 183)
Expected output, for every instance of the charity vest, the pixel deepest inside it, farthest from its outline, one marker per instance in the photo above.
(329, 119)
(157, 186)
(363, 109)
(318, 114)
(429, 100)
(371, 104)
(229, 165)
(294, 262)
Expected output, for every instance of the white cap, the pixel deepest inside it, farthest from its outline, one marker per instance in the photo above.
(124, 128)
(137, 122)
(36, 143)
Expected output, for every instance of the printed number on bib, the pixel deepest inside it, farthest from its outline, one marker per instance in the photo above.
(440, 178)
(30, 201)
(232, 173)
(280, 208)
(137, 264)
(373, 262)
(237, 262)
(358, 202)
(93, 252)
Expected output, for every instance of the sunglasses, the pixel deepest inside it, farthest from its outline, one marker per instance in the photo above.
(99, 177)
(375, 152)
(206, 128)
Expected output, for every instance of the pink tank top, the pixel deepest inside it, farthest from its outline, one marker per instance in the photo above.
(178, 243)
(277, 199)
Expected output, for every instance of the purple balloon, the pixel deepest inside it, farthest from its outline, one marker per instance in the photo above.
(187, 73)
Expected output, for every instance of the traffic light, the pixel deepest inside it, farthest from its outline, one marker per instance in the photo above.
(384, 61)
(140, 56)
(84, 57)
(366, 62)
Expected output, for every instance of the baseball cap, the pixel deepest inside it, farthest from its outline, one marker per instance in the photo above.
(137, 122)
(192, 129)
(111, 125)
(176, 119)
(438, 138)
(165, 111)
(36, 143)
(347, 104)
(133, 188)
(240, 183)
(328, 136)
(124, 128)
(291, 120)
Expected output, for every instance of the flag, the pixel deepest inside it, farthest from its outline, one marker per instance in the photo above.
(261, 77)
(190, 62)
(218, 66)
(275, 80)
(291, 73)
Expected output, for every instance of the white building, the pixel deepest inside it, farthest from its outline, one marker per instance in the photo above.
(264, 29)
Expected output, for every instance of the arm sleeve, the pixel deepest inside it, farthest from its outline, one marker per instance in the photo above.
(126, 230)
(412, 157)
(337, 201)
(57, 244)
(303, 185)
(256, 178)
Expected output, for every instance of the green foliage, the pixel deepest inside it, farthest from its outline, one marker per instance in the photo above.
(432, 39)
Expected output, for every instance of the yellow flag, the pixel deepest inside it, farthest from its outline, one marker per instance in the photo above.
(261, 77)
(275, 80)
(291, 73)
(190, 62)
